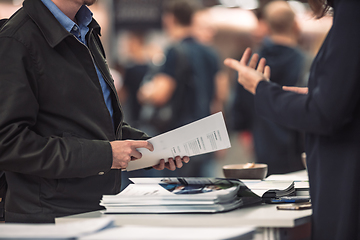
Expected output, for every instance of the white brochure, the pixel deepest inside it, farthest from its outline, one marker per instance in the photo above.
(203, 136)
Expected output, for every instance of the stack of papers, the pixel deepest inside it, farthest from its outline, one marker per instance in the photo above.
(300, 178)
(302, 188)
(271, 188)
(179, 195)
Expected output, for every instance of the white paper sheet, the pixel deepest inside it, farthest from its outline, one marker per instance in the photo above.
(64, 231)
(294, 176)
(203, 136)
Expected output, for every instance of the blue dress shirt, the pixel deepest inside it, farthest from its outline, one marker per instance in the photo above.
(84, 17)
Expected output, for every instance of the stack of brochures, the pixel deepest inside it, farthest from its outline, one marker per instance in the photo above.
(300, 179)
(276, 191)
(271, 188)
(180, 195)
(302, 188)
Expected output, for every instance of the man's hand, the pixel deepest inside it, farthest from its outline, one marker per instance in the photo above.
(125, 151)
(250, 72)
(172, 164)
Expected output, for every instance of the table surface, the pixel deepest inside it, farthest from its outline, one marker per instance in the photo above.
(263, 215)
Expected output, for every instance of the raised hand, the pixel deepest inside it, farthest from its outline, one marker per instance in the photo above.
(250, 72)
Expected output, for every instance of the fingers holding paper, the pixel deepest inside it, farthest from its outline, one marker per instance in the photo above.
(126, 151)
(250, 70)
(172, 164)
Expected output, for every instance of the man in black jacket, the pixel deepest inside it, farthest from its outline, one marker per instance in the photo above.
(62, 135)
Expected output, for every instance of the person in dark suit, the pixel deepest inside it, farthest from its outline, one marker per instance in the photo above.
(329, 112)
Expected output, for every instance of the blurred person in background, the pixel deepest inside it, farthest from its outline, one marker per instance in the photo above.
(63, 140)
(278, 146)
(183, 89)
(134, 71)
(204, 31)
(328, 111)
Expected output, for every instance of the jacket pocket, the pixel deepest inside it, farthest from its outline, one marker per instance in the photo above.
(50, 188)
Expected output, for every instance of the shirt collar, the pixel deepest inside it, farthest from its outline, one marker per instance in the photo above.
(83, 16)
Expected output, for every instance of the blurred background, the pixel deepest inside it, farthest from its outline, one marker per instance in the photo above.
(134, 38)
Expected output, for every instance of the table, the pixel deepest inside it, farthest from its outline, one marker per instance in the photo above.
(270, 222)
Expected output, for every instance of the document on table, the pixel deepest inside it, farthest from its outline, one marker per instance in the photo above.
(64, 231)
(203, 136)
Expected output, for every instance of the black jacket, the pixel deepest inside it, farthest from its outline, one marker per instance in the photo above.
(54, 125)
(330, 115)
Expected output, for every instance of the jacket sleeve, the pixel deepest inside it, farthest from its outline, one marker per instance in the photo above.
(333, 85)
(242, 109)
(22, 150)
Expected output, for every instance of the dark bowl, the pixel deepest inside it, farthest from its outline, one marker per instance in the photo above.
(242, 171)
